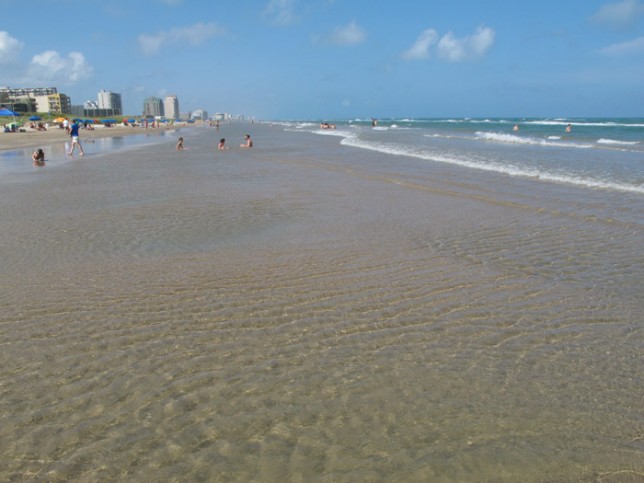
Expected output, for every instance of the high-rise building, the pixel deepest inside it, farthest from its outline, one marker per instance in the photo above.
(110, 100)
(153, 107)
(171, 107)
(199, 114)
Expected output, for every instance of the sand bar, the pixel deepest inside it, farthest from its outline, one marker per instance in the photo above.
(303, 311)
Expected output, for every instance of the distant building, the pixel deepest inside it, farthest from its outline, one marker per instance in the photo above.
(59, 103)
(153, 107)
(23, 99)
(18, 103)
(90, 105)
(78, 111)
(171, 107)
(102, 113)
(199, 114)
(110, 101)
(29, 91)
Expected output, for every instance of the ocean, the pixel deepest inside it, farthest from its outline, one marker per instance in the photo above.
(423, 300)
(595, 153)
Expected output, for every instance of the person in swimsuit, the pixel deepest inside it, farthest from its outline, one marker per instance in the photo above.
(248, 143)
(38, 157)
(73, 132)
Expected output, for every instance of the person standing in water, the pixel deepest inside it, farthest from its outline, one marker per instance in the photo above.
(73, 132)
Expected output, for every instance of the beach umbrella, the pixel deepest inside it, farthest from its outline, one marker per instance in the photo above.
(35, 118)
(59, 119)
(8, 112)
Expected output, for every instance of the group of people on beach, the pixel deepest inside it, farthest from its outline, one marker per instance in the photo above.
(38, 156)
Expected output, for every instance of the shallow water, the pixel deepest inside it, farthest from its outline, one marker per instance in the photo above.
(307, 312)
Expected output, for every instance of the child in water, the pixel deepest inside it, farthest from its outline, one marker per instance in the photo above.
(38, 157)
(180, 144)
(222, 143)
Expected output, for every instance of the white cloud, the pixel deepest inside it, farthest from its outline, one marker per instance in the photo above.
(625, 49)
(420, 49)
(451, 48)
(280, 12)
(9, 47)
(351, 34)
(474, 46)
(619, 14)
(195, 34)
(51, 66)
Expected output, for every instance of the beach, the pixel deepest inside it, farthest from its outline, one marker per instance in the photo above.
(310, 310)
(55, 135)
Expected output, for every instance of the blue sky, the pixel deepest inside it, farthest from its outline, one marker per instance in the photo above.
(336, 59)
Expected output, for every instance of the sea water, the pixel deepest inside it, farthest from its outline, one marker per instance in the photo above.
(347, 307)
(595, 153)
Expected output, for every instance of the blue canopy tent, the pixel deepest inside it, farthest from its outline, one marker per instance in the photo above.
(8, 112)
(35, 118)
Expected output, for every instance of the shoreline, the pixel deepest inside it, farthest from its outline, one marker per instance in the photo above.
(33, 138)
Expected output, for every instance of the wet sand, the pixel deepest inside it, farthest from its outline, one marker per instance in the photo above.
(303, 312)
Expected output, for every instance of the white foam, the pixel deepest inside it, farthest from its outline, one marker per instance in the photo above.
(614, 141)
(565, 122)
(513, 139)
(332, 132)
(485, 165)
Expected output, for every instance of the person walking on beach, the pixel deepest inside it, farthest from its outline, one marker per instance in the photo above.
(248, 143)
(73, 132)
(38, 157)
